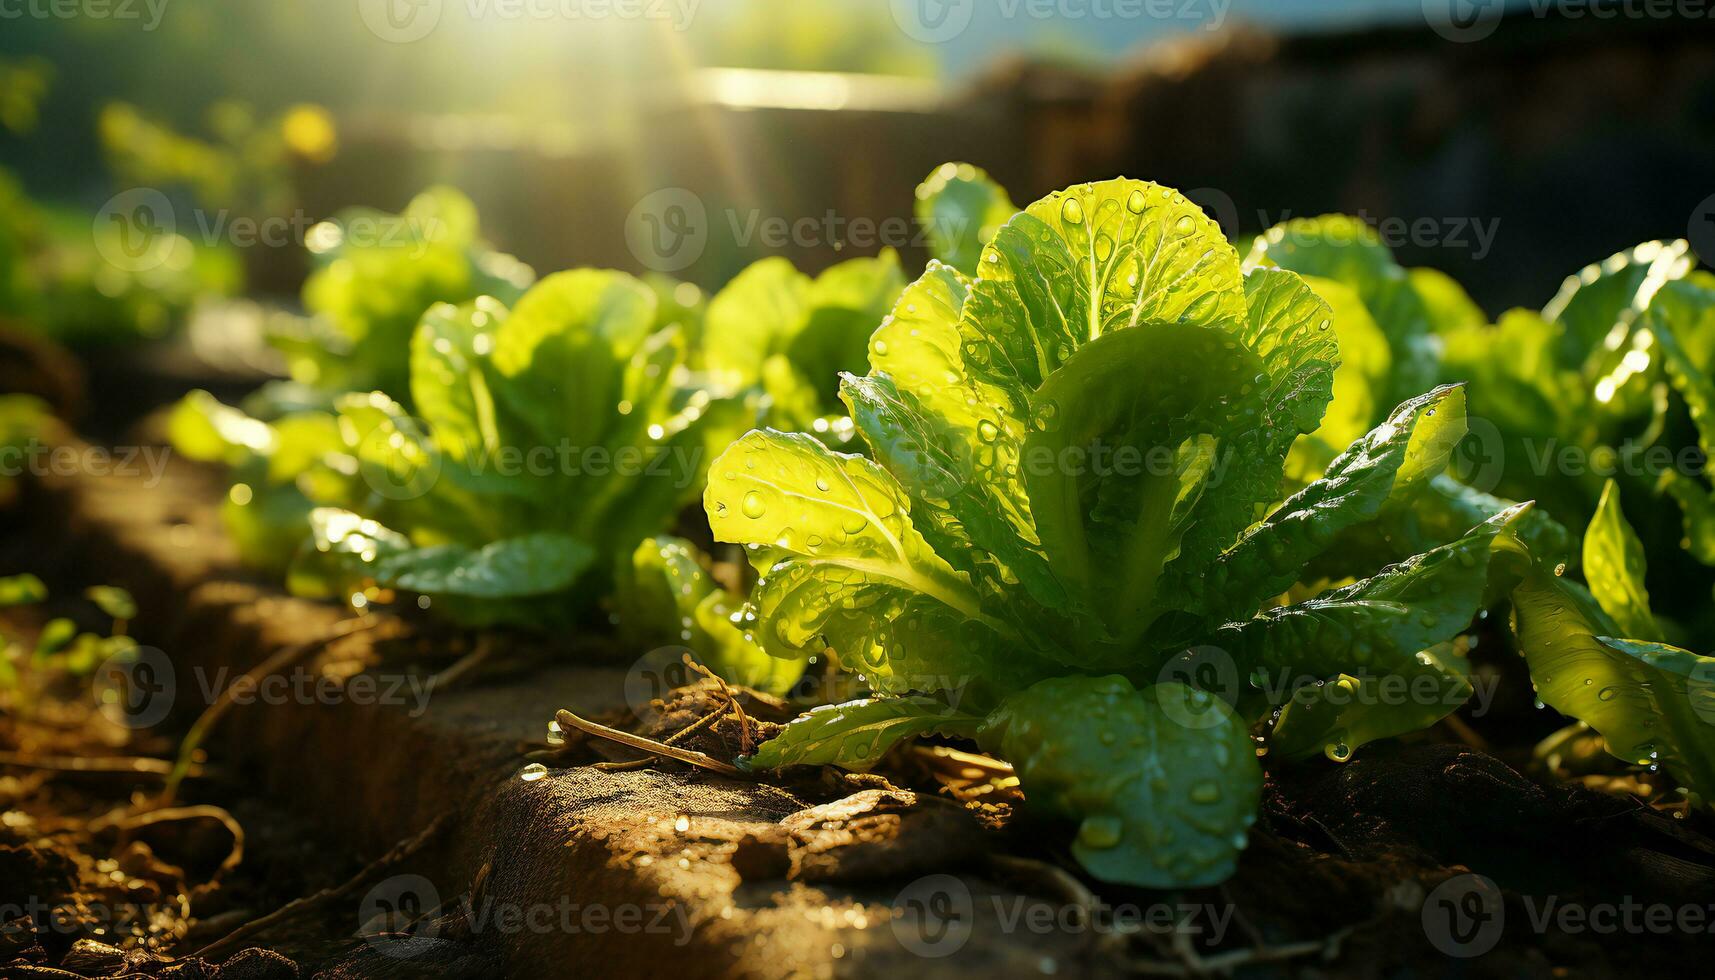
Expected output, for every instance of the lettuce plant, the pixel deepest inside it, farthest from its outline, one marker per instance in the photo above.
(549, 439)
(789, 335)
(1680, 319)
(1598, 655)
(1388, 322)
(375, 275)
(962, 209)
(664, 597)
(55, 276)
(1387, 347)
(1074, 506)
(1581, 375)
(1392, 324)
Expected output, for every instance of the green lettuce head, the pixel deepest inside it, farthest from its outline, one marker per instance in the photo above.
(1070, 545)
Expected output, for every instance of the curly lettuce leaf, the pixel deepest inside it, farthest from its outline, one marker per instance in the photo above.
(1163, 782)
(792, 335)
(846, 559)
(1348, 251)
(1085, 262)
(750, 318)
(964, 466)
(551, 439)
(952, 442)
(789, 493)
(1682, 321)
(842, 309)
(563, 350)
(530, 565)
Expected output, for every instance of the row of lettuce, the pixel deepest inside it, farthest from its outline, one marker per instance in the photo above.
(1095, 491)
(86, 280)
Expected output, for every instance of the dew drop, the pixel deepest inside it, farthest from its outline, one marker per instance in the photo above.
(1072, 211)
(1100, 832)
(533, 772)
(753, 505)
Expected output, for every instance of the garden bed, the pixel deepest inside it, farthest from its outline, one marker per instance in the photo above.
(652, 848)
(703, 874)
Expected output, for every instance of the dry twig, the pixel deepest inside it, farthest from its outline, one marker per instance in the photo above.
(702, 760)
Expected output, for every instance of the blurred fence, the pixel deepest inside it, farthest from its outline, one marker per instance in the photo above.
(1507, 162)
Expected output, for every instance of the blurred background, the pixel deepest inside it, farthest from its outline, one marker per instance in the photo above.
(1506, 144)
